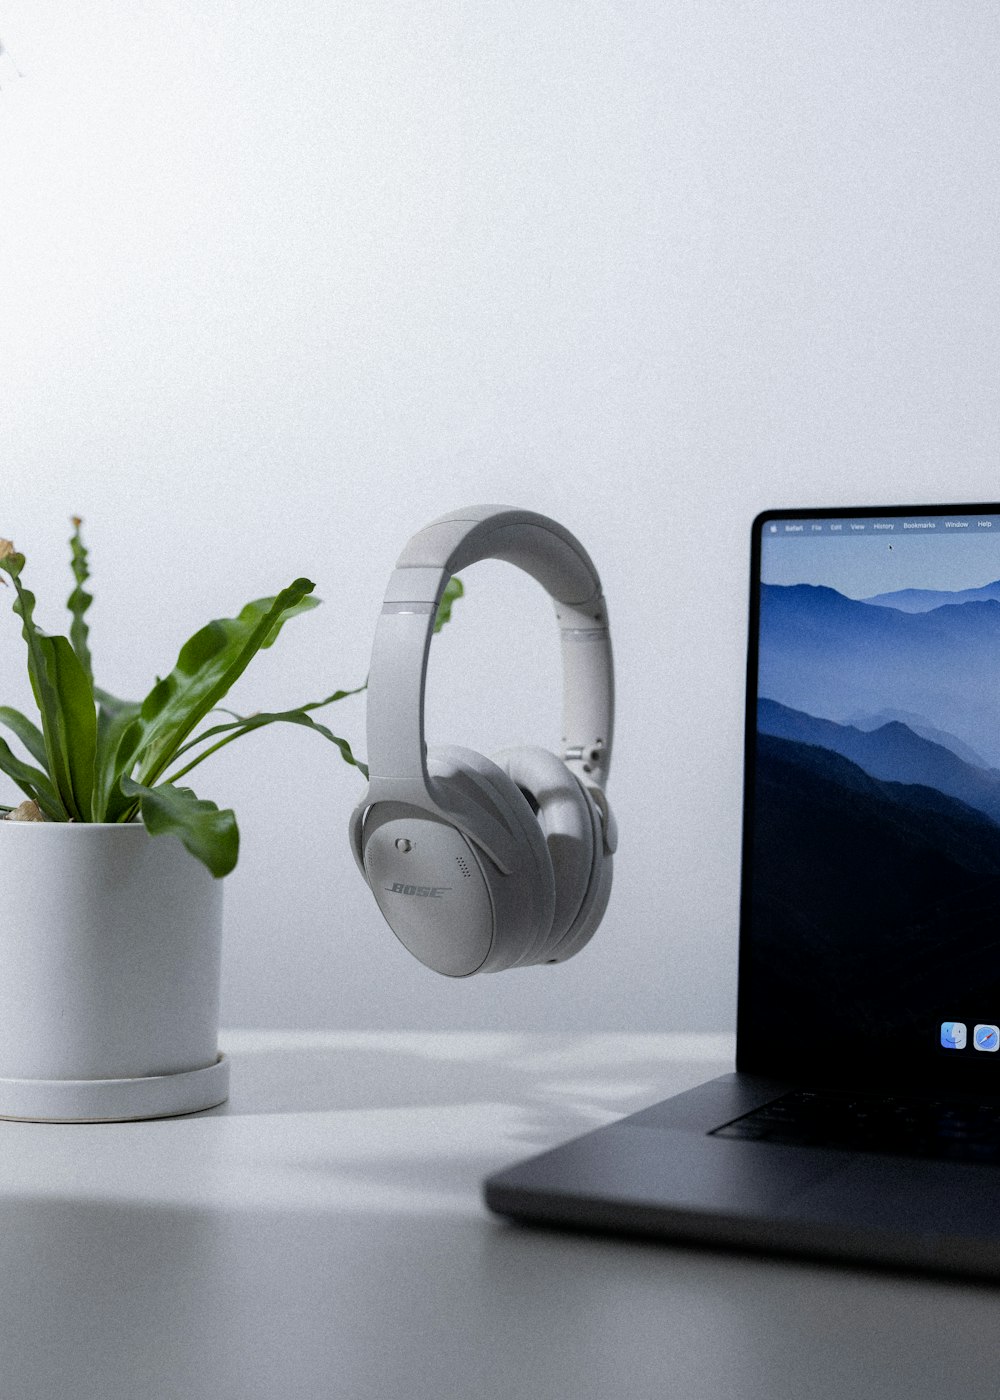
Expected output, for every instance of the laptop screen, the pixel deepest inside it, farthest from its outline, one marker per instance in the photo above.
(870, 932)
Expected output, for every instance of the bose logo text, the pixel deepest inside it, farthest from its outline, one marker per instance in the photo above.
(430, 891)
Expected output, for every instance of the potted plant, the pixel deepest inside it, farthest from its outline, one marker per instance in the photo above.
(111, 871)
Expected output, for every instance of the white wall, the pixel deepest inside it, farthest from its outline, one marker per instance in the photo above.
(283, 281)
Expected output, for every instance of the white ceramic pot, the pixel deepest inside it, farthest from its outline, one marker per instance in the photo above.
(110, 959)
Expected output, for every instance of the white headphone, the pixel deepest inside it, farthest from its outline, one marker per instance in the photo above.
(482, 864)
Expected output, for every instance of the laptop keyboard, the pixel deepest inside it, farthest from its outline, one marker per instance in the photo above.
(949, 1130)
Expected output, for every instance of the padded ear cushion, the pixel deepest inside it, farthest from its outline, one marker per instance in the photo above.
(595, 902)
(567, 824)
(524, 901)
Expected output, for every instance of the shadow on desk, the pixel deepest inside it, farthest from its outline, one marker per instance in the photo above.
(324, 1071)
(360, 1122)
(413, 1120)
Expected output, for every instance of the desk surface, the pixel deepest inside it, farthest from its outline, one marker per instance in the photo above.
(322, 1235)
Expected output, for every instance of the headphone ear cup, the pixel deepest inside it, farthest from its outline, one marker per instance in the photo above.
(524, 901)
(567, 818)
(596, 899)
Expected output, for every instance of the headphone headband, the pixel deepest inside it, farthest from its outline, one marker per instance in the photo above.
(551, 555)
(541, 547)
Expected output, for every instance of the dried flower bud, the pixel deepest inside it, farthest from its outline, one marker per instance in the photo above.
(6, 548)
(76, 521)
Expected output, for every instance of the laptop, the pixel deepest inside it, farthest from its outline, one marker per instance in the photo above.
(863, 1119)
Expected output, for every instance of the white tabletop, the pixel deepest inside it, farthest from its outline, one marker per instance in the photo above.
(323, 1235)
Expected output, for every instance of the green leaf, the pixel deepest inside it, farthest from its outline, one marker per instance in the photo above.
(29, 734)
(118, 737)
(207, 666)
(453, 589)
(65, 699)
(75, 733)
(304, 605)
(244, 726)
(112, 703)
(80, 600)
(243, 719)
(32, 782)
(210, 834)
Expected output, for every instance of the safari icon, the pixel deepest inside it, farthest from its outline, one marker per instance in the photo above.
(986, 1038)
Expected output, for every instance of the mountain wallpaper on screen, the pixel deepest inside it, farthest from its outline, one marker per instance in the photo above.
(923, 599)
(893, 751)
(875, 899)
(831, 656)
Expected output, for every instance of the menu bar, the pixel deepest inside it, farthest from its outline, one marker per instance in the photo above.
(887, 525)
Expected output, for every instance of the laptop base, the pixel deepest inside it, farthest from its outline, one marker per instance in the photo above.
(659, 1173)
